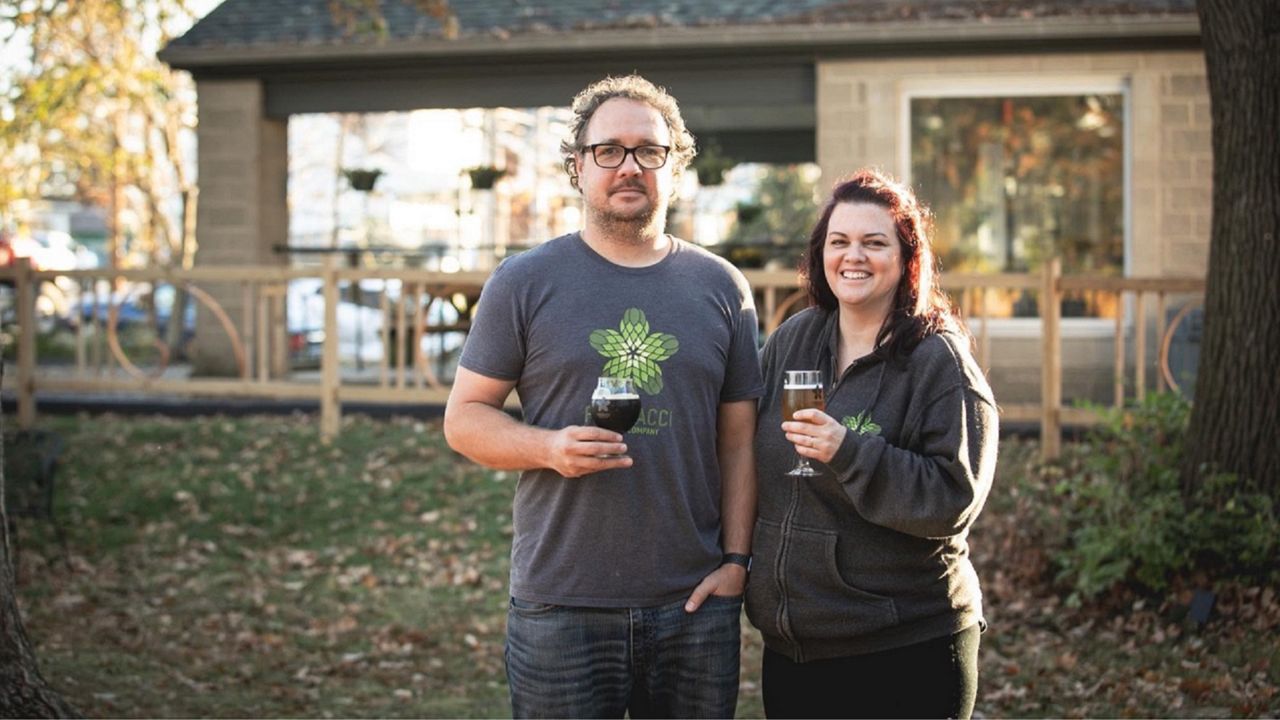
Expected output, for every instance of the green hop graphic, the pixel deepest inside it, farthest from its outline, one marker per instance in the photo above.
(634, 352)
(861, 423)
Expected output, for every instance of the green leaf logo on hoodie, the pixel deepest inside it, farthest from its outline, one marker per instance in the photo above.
(861, 423)
(634, 352)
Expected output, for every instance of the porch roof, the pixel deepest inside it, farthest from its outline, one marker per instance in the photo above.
(249, 38)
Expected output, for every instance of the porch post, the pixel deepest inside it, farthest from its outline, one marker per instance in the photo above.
(1051, 361)
(330, 409)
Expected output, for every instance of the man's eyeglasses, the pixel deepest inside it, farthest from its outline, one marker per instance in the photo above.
(612, 155)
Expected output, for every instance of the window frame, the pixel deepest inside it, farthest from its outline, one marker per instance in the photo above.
(1010, 85)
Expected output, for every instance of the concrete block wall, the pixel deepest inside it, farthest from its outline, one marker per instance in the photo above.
(243, 212)
(860, 123)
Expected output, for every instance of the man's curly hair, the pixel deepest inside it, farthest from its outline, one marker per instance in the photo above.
(631, 87)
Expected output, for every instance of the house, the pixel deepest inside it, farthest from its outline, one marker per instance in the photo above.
(1070, 128)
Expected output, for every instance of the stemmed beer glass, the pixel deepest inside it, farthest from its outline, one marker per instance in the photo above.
(615, 404)
(802, 390)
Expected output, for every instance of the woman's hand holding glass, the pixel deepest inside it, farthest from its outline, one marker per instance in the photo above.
(816, 435)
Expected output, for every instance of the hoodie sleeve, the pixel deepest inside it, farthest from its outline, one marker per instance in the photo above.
(937, 487)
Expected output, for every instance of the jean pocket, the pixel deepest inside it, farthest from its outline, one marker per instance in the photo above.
(530, 608)
(726, 601)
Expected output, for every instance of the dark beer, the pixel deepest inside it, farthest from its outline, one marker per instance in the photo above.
(615, 412)
(801, 397)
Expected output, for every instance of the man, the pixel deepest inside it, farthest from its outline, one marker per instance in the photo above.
(630, 553)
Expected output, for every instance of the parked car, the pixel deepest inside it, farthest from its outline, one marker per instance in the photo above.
(133, 309)
(359, 325)
(50, 250)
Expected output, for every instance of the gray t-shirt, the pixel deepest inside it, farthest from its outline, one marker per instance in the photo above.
(555, 318)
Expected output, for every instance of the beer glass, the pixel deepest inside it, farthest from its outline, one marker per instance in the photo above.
(801, 390)
(615, 404)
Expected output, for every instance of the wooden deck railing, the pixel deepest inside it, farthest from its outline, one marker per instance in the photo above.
(256, 336)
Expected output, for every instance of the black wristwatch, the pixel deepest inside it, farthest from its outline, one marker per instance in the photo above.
(737, 559)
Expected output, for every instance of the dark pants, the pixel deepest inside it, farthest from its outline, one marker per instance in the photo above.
(572, 662)
(933, 679)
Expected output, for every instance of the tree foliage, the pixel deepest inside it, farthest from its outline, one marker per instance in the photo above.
(776, 222)
(95, 117)
(1113, 513)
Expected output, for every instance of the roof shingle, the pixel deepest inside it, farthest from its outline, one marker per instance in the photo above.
(251, 23)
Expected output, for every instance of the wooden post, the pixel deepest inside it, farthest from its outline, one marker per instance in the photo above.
(984, 347)
(401, 342)
(24, 287)
(419, 358)
(279, 335)
(254, 331)
(81, 336)
(1140, 346)
(1119, 357)
(1051, 361)
(770, 302)
(384, 334)
(98, 329)
(1161, 309)
(330, 410)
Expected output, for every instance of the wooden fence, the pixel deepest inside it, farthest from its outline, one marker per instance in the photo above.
(255, 333)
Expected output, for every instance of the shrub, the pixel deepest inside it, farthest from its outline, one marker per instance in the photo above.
(1122, 516)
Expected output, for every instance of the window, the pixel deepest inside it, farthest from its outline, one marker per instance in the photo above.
(1016, 178)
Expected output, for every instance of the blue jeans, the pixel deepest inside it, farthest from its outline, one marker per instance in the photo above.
(575, 662)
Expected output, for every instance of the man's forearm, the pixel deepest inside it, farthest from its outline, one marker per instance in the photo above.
(491, 437)
(738, 507)
(736, 451)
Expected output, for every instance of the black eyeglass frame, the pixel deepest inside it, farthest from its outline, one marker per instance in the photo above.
(666, 154)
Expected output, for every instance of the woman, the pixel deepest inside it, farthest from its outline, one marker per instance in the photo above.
(862, 585)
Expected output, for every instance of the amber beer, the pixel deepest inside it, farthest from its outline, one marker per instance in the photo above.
(802, 390)
(801, 397)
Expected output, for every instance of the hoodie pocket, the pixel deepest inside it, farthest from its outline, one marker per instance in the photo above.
(820, 604)
(762, 584)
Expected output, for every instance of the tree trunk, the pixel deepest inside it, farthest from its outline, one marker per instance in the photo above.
(1235, 422)
(23, 691)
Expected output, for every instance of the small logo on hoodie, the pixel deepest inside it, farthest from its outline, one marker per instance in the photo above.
(861, 423)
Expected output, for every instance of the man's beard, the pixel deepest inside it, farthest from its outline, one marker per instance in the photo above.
(637, 225)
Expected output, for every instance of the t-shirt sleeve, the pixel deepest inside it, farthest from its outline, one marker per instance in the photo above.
(742, 376)
(495, 347)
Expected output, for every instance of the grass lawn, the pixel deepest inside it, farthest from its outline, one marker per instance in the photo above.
(242, 567)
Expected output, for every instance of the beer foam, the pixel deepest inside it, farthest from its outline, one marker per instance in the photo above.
(623, 396)
(802, 387)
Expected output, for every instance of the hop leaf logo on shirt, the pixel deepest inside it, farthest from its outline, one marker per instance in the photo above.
(634, 352)
(861, 423)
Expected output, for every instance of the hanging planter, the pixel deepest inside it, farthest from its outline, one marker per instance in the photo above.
(711, 165)
(748, 212)
(361, 179)
(483, 177)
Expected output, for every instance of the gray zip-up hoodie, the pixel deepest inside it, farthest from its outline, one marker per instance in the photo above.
(872, 554)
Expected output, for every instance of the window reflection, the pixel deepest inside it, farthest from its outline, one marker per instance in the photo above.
(1015, 180)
